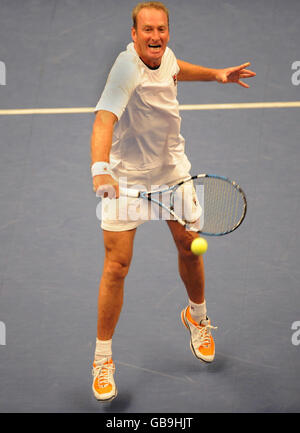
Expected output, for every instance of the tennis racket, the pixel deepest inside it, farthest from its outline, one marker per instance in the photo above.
(208, 204)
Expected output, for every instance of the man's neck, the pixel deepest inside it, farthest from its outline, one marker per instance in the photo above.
(150, 67)
(153, 66)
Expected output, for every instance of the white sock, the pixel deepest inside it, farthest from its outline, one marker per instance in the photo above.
(197, 311)
(103, 349)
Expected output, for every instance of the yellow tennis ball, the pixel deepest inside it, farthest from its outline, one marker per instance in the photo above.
(199, 246)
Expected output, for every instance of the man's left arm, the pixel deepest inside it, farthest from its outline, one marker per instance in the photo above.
(190, 72)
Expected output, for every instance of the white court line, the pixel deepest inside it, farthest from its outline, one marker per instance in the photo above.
(233, 106)
(46, 111)
(159, 373)
(242, 105)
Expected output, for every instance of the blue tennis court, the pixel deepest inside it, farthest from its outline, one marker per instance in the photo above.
(56, 55)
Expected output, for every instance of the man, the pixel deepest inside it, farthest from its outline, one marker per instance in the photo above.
(136, 134)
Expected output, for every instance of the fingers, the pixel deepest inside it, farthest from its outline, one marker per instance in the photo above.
(243, 66)
(242, 69)
(105, 186)
(241, 83)
(109, 191)
(247, 74)
(237, 73)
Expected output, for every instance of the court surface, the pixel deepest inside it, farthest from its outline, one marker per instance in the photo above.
(57, 55)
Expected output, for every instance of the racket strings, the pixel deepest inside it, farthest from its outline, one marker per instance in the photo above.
(223, 206)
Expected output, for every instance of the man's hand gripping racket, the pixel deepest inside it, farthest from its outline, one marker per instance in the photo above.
(106, 186)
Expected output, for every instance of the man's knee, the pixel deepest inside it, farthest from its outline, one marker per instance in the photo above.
(118, 253)
(183, 243)
(116, 269)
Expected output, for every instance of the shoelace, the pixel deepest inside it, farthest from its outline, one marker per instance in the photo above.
(202, 335)
(104, 372)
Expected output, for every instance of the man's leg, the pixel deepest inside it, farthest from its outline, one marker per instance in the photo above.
(118, 254)
(191, 269)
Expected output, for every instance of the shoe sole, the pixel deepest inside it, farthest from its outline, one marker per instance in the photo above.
(191, 345)
(107, 400)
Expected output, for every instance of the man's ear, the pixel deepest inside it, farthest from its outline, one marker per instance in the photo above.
(133, 34)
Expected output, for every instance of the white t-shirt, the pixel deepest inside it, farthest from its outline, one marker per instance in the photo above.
(146, 142)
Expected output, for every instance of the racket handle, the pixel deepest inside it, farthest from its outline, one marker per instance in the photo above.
(129, 192)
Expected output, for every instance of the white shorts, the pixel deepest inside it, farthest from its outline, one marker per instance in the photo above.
(127, 213)
(122, 214)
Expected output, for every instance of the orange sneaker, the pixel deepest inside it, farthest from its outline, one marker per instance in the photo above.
(201, 343)
(104, 386)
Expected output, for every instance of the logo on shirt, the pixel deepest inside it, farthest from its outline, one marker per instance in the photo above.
(175, 79)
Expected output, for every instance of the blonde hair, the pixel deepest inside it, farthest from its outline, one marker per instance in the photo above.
(149, 5)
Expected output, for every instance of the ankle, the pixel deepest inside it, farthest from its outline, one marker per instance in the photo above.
(103, 349)
(197, 311)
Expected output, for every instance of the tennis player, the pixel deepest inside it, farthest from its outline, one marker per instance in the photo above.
(136, 135)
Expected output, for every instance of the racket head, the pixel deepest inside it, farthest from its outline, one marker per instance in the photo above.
(223, 204)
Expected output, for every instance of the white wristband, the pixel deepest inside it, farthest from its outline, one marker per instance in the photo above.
(100, 167)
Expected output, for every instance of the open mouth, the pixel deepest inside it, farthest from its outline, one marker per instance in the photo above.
(154, 47)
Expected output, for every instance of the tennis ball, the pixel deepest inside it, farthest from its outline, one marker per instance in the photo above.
(199, 246)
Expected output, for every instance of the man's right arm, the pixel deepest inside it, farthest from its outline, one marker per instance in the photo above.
(101, 141)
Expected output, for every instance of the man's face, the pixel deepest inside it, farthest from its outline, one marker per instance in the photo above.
(151, 36)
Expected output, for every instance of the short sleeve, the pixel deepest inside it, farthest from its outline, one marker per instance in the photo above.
(121, 82)
(174, 59)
